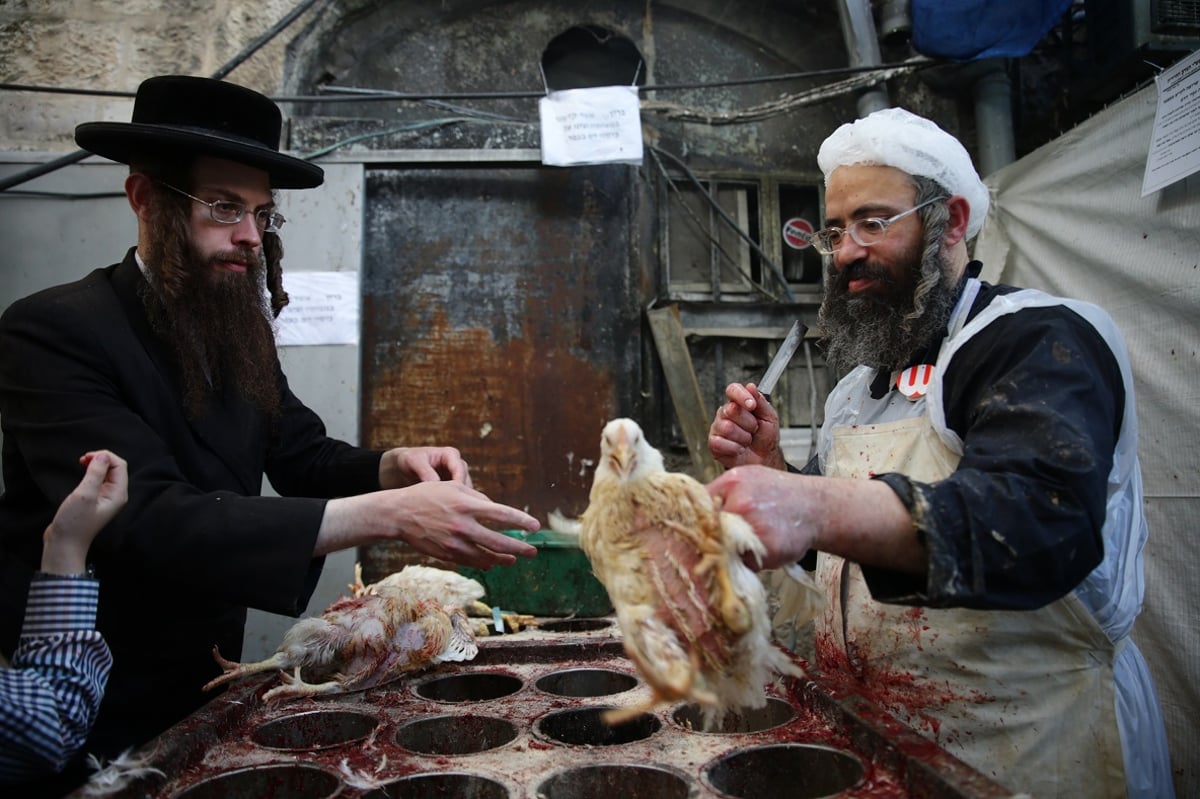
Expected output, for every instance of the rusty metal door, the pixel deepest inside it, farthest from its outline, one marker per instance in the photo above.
(501, 316)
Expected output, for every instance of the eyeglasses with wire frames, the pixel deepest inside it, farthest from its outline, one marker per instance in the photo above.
(865, 232)
(228, 212)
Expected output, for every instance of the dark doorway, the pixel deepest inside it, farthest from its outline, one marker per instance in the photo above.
(584, 56)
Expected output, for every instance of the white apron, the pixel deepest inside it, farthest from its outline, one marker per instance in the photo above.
(1025, 697)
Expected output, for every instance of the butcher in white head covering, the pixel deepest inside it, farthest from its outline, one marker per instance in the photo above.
(882, 304)
(900, 139)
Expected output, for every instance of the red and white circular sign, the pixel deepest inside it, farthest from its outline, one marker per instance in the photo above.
(914, 381)
(796, 233)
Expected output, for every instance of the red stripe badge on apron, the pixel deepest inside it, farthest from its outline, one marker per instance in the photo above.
(913, 382)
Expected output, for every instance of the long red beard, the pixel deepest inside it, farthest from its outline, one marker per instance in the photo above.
(218, 324)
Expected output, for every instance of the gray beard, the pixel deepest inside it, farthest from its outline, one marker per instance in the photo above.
(885, 331)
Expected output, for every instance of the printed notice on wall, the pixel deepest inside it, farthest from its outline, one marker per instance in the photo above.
(322, 309)
(600, 125)
(1175, 142)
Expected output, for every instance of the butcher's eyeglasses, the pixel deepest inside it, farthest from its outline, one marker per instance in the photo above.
(228, 212)
(865, 232)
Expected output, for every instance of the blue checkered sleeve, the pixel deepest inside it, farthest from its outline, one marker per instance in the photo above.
(59, 670)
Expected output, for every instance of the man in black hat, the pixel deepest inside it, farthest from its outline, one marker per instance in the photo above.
(169, 358)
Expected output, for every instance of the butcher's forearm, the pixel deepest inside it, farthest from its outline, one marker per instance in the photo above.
(865, 522)
(861, 520)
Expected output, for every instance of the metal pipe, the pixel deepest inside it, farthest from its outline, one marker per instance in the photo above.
(862, 46)
(895, 21)
(993, 116)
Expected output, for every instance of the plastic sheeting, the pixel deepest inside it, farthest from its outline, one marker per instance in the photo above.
(964, 30)
(1069, 219)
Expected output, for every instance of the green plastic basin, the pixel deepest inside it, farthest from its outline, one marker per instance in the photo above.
(557, 582)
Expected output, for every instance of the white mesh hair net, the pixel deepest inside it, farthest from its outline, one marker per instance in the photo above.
(898, 138)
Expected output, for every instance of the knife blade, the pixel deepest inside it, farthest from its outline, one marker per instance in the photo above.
(782, 356)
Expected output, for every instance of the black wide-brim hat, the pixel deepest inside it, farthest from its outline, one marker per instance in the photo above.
(178, 115)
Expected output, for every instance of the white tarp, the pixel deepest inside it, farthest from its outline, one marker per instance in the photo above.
(1069, 218)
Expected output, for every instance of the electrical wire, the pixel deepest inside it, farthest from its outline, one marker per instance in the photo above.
(350, 94)
(782, 105)
(62, 195)
(873, 74)
(410, 128)
(472, 112)
(863, 76)
(24, 87)
(256, 45)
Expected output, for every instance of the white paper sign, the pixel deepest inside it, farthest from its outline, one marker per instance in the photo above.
(600, 125)
(1175, 141)
(322, 309)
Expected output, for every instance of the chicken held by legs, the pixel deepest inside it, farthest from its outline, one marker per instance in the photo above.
(693, 616)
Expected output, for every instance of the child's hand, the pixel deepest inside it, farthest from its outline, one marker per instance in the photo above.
(98, 498)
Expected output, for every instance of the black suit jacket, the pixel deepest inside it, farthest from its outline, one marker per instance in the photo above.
(196, 544)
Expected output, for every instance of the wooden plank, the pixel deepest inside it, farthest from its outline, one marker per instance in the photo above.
(694, 415)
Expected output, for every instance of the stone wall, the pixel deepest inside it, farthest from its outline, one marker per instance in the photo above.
(112, 45)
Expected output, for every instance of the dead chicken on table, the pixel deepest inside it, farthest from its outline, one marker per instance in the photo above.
(376, 636)
(450, 588)
(693, 616)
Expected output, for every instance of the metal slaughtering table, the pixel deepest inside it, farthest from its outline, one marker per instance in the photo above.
(522, 721)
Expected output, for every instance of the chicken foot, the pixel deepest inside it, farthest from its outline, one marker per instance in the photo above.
(233, 670)
(294, 687)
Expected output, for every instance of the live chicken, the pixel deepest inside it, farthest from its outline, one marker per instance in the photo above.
(360, 642)
(693, 616)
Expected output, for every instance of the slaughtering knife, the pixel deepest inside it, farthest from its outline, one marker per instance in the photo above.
(786, 350)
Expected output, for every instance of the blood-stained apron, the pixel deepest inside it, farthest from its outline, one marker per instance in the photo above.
(1025, 697)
